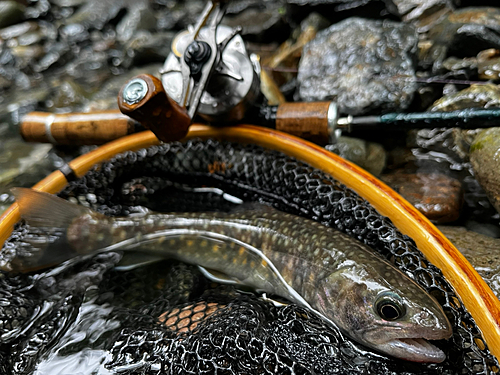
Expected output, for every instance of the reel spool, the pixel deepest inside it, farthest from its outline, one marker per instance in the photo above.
(234, 85)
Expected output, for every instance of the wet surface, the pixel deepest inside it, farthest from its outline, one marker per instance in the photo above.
(403, 55)
(364, 65)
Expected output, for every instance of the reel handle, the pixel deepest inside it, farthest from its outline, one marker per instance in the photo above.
(144, 99)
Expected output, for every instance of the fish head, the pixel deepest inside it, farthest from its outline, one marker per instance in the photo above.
(386, 311)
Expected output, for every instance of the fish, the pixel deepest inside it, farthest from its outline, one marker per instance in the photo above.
(332, 274)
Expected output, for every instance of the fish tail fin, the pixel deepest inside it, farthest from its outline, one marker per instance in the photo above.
(45, 210)
(45, 245)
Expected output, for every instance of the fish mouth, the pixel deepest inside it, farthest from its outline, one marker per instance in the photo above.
(413, 349)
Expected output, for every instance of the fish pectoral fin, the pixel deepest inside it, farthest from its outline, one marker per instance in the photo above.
(132, 260)
(219, 277)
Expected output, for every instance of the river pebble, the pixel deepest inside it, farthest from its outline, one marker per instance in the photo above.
(480, 250)
(437, 196)
(365, 65)
(484, 156)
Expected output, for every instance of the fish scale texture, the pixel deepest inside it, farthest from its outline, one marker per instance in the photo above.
(180, 323)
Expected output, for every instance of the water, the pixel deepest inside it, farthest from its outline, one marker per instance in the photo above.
(80, 350)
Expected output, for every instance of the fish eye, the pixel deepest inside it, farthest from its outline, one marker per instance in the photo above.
(389, 306)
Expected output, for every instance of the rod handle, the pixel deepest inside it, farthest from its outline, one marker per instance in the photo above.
(92, 128)
(305, 120)
(144, 99)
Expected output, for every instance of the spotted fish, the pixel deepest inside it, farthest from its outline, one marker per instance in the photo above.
(321, 268)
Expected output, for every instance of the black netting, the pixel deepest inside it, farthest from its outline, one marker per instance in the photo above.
(172, 320)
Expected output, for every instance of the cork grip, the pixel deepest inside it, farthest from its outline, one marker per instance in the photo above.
(157, 111)
(306, 120)
(76, 128)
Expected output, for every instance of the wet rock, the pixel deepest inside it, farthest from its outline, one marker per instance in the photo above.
(463, 33)
(58, 54)
(488, 62)
(448, 148)
(74, 33)
(69, 96)
(18, 30)
(18, 157)
(20, 102)
(458, 141)
(437, 196)
(490, 230)
(484, 158)
(147, 48)
(39, 9)
(11, 12)
(261, 23)
(368, 155)
(348, 4)
(96, 13)
(410, 10)
(480, 250)
(365, 65)
(90, 69)
(476, 96)
(460, 69)
(179, 15)
(138, 17)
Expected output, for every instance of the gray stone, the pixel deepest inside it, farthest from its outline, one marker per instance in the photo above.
(475, 96)
(368, 155)
(260, 23)
(449, 147)
(488, 62)
(18, 157)
(147, 48)
(463, 33)
(139, 17)
(481, 251)
(410, 10)
(365, 65)
(347, 3)
(484, 158)
(11, 12)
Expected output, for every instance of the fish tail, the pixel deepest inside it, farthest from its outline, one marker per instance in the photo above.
(45, 210)
(45, 244)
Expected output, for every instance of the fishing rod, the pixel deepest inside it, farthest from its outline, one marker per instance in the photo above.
(312, 121)
(210, 77)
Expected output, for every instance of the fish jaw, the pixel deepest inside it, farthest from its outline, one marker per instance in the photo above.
(408, 341)
(414, 350)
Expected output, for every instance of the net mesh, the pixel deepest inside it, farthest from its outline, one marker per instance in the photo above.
(172, 320)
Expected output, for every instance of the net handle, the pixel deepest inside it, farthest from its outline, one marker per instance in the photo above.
(476, 295)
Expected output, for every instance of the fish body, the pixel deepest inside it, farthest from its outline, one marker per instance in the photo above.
(335, 275)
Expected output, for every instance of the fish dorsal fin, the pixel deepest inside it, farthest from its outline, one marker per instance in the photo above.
(220, 277)
(45, 210)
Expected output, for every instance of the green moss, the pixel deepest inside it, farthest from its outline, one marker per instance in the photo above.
(476, 146)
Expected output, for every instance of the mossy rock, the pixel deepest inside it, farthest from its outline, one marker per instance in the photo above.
(485, 160)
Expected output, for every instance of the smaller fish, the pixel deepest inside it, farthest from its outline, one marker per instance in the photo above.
(330, 273)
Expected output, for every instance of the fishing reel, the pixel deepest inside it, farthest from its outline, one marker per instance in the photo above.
(210, 75)
(207, 74)
(222, 93)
